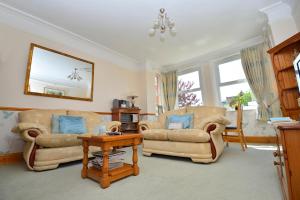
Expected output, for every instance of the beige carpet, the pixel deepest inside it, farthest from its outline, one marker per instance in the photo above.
(237, 175)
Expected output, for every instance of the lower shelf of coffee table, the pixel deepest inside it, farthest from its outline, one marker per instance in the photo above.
(114, 174)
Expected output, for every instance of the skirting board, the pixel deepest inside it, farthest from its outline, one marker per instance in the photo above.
(253, 139)
(11, 158)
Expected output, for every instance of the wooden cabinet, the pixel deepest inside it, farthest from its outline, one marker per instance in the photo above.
(287, 160)
(282, 57)
(129, 118)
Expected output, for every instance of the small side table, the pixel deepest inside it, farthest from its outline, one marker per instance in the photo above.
(105, 176)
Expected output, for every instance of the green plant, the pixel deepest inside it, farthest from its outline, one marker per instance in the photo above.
(242, 98)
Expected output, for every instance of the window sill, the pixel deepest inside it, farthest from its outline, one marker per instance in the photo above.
(246, 108)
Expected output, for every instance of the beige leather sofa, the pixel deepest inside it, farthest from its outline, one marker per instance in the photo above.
(202, 143)
(45, 150)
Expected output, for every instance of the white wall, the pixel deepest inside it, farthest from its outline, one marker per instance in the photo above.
(281, 21)
(296, 13)
(111, 81)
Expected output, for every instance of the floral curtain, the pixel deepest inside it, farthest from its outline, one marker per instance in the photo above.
(169, 82)
(259, 73)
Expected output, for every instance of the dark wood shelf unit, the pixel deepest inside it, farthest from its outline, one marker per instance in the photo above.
(127, 126)
(282, 57)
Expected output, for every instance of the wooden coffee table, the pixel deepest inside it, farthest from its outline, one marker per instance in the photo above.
(105, 176)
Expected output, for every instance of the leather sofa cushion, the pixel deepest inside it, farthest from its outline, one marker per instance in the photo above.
(202, 112)
(155, 134)
(58, 140)
(180, 135)
(188, 135)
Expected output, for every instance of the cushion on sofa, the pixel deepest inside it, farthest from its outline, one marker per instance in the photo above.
(155, 134)
(188, 135)
(72, 124)
(58, 140)
(92, 119)
(186, 120)
(162, 117)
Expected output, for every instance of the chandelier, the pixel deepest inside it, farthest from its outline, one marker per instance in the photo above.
(75, 75)
(162, 24)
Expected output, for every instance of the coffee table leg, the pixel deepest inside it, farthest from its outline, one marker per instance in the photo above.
(135, 159)
(85, 159)
(104, 181)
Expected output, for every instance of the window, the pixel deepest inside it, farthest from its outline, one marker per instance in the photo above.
(233, 83)
(189, 90)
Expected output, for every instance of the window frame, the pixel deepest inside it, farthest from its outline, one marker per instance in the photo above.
(218, 78)
(187, 71)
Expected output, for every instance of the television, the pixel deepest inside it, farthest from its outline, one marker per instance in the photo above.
(297, 72)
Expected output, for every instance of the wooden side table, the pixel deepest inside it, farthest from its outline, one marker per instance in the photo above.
(105, 176)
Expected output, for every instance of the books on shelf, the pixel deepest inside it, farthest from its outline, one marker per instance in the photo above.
(115, 159)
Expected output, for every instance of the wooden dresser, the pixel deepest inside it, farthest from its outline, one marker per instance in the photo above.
(282, 57)
(287, 160)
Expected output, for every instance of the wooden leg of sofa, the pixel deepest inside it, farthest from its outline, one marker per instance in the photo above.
(147, 153)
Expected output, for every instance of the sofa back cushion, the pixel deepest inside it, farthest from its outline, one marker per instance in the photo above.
(162, 117)
(92, 119)
(40, 116)
(202, 112)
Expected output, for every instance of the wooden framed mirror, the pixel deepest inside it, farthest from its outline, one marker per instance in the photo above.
(51, 73)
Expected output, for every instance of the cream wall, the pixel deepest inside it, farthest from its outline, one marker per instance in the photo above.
(111, 81)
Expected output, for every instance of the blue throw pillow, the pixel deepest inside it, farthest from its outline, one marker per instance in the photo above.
(72, 124)
(186, 120)
(55, 124)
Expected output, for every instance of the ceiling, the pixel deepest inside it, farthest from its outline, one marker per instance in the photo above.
(203, 26)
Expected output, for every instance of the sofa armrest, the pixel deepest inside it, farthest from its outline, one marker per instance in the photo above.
(216, 141)
(214, 128)
(145, 125)
(29, 135)
(21, 127)
(112, 125)
(217, 119)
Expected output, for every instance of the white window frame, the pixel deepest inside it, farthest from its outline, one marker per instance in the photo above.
(191, 70)
(219, 84)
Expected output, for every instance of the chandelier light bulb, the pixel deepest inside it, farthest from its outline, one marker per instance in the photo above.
(152, 32)
(162, 37)
(173, 31)
(162, 24)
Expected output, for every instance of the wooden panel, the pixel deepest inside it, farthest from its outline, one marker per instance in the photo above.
(24, 109)
(294, 114)
(292, 143)
(289, 174)
(289, 99)
(252, 139)
(287, 79)
(11, 158)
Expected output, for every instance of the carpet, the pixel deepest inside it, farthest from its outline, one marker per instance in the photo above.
(236, 175)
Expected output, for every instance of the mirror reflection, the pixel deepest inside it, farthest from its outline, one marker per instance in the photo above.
(55, 74)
